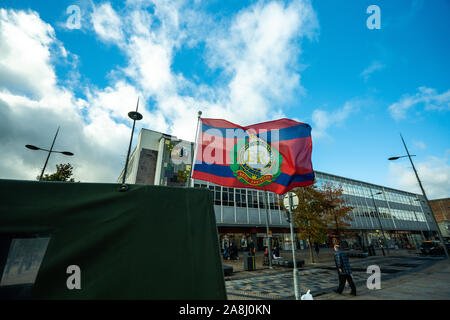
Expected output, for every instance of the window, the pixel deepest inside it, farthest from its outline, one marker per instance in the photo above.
(262, 200)
(216, 193)
(20, 263)
(272, 201)
(228, 197)
(241, 195)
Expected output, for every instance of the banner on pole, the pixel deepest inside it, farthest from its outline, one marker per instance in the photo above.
(273, 156)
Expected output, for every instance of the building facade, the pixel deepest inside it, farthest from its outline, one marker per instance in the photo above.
(242, 215)
(441, 211)
(159, 159)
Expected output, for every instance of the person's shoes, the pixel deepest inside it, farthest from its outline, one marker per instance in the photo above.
(337, 292)
(353, 293)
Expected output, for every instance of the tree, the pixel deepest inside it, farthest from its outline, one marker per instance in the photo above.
(64, 172)
(336, 212)
(308, 217)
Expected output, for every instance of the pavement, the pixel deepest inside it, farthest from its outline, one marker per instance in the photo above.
(430, 283)
(403, 276)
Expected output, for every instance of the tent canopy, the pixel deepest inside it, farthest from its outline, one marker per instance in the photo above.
(149, 242)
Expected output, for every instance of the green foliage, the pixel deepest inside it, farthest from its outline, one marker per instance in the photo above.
(336, 212)
(320, 212)
(309, 218)
(309, 215)
(63, 172)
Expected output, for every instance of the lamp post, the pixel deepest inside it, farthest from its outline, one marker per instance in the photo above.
(31, 147)
(424, 195)
(135, 116)
(379, 221)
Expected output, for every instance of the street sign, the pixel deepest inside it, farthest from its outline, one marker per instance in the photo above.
(287, 203)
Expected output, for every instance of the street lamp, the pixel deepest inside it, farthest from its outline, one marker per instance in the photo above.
(395, 158)
(379, 221)
(424, 195)
(31, 147)
(135, 116)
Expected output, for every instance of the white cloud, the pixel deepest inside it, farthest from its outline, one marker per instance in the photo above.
(107, 23)
(426, 96)
(259, 51)
(374, 66)
(23, 33)
(32, 105)
(420, 144)
(256, 52)
(323, 120)
(434, 173)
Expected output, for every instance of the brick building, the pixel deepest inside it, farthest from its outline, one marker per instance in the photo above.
(441, 211)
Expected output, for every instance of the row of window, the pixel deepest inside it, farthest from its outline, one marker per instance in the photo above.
(359, 189)
(386, 213)
(256, 199)
(241, 197)
(364, 208)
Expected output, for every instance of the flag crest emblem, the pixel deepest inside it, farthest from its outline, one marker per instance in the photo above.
(255, 163)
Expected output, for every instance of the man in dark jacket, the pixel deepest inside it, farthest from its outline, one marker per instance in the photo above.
(251, 248)
(344, 270)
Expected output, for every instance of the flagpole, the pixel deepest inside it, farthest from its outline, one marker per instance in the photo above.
(294, 258)
(269, 239)
(194, 152)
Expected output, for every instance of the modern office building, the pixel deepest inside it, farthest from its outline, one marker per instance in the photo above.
(241, 214)
(441, 211)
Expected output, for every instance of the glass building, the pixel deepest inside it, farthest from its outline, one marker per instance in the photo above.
(243, 214)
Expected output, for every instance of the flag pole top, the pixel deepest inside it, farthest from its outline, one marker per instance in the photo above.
(199, 114)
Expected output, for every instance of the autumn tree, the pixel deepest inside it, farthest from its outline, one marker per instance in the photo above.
(335, 210)
(308, 217)
(64, 172)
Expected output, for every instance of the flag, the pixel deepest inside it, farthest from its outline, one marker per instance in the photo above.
(273, 156)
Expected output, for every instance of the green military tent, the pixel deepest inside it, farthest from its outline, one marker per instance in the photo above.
(63, 240)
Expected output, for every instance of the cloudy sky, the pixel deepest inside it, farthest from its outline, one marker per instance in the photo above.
(82, 64)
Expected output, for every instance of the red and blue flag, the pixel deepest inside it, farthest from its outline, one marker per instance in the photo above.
(273, 156)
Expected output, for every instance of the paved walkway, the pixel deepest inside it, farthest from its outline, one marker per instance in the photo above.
(432, 283)
(321, 279)
(326, 255)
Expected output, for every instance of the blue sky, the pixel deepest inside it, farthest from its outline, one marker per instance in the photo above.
(245, 61)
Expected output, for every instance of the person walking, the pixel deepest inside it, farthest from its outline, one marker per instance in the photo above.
(266, 257)
(344, 270)
(276, 253)
(252, 248)
(234, 252)
(317, 249)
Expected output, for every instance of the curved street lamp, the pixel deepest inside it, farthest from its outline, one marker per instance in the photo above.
(395, 158)
(424, 195)
(31, 147)
(135, 116)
